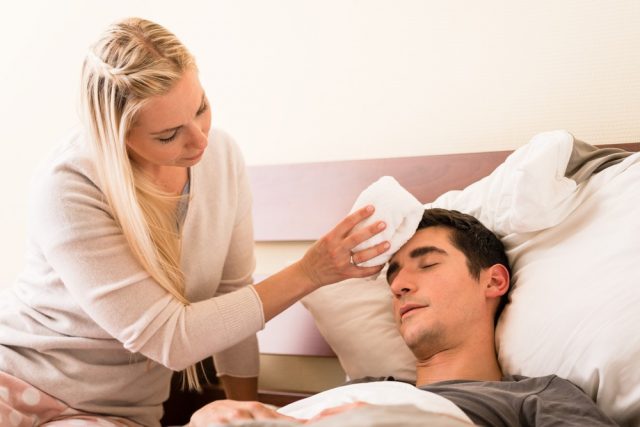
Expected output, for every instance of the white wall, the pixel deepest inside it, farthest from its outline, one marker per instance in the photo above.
(297, 80)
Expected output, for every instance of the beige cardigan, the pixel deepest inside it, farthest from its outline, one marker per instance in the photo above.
(86, 324)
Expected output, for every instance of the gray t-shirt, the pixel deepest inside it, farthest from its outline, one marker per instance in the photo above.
(520, 401)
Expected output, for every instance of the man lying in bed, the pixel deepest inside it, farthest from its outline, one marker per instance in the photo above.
(450, 282)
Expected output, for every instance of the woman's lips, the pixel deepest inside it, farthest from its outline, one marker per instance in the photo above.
(196, 157)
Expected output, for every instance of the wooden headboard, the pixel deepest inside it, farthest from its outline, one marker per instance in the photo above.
(301, 202)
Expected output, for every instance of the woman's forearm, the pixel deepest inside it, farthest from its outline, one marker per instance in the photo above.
(238, 388)
(284, 288)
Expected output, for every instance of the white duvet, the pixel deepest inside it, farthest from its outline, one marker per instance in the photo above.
(380, 393)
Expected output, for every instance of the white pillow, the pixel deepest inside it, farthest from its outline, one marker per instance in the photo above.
(575, 303)
(575, 258)
(355, 318)
(527, 192)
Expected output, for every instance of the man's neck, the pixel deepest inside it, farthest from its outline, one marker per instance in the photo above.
(479, 364)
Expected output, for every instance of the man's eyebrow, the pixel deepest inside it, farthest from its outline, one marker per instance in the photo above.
(424, 250)
(178, 127)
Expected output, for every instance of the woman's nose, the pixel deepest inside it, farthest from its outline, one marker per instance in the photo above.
(199, 137)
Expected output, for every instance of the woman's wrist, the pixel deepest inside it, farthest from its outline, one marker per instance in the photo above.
(281, 290)
(306, 277)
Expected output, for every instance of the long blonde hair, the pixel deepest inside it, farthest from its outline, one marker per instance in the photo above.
(134, 60)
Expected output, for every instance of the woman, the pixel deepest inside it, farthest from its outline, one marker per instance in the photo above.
(140, 250)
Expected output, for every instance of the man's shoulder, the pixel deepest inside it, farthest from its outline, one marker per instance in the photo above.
(521, 382)
(547, 381)
(523, 378)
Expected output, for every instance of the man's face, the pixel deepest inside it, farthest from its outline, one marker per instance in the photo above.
(436, 301)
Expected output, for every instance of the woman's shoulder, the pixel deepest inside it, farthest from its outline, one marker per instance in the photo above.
(68, 164)
(72, 151)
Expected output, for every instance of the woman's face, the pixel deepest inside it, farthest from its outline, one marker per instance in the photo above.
(171, 130)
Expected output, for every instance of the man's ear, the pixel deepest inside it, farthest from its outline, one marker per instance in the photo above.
(497, 281)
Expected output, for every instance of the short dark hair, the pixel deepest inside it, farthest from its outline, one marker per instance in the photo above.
(480, 246)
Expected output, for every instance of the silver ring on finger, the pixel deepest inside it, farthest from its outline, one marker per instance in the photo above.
(351, 261)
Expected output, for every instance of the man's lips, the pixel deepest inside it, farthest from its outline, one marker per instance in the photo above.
(406, 308)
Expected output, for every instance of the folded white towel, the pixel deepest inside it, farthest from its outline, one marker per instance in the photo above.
(398, 208)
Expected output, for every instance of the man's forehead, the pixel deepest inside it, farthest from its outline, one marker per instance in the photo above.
(430, 236)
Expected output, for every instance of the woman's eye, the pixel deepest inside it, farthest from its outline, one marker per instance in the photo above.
(203, 108)
(169, 139)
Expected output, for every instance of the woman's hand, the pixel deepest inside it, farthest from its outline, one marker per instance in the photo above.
(331, 259)
(226, 411)
(335, 410)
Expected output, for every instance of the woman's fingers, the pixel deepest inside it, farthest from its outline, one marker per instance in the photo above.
(345, 226)
(331, 259)
(338, 410)
(226, 411)
(364, 234)
(369, 253)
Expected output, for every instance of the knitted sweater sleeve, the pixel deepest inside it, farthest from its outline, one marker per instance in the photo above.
(86, 250)
(241, 360)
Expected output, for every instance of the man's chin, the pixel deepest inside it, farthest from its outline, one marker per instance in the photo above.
(420, 338)
(410, 336)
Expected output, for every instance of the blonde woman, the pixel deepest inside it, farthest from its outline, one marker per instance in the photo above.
(140, 251)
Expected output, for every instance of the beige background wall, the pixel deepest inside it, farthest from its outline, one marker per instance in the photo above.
(297, 80)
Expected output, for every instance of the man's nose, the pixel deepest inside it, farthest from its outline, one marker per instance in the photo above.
(402, 284)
